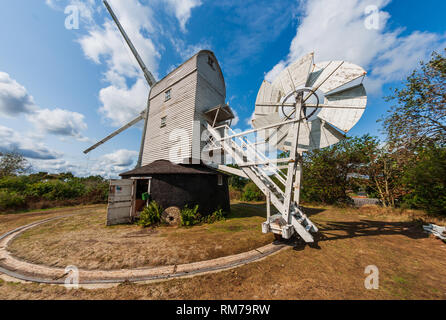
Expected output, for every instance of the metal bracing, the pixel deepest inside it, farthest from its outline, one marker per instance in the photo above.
(281, 192)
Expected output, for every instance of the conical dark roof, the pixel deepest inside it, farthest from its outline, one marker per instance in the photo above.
(167, 167)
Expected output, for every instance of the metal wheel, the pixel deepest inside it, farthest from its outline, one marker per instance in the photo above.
(299, 96)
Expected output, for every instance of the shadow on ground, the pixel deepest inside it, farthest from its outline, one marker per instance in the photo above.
(329, 231)
(365, 228)
(246, 210)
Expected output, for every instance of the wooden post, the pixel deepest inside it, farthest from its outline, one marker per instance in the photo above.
(292, 165)
(297, 180)
(268, 206)
(149, 187)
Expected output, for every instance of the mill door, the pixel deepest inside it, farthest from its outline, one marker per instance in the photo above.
(120, 201)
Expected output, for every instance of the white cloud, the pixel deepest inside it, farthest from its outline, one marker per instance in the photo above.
(188, 50)
(122, 104)
(112, 164)
(274, 72)
(108, 43)
(120, 158)
(107, 166)
(248, 121)
(12, 141)
(59, 122)
(236, 119)
(335, 30)
(182, 10)
(14, 99)
(56, 166)
(103, 44)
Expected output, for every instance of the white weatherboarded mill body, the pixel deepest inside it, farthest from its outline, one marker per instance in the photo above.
(177, 106)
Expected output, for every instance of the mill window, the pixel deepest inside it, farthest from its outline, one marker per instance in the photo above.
(220, 180)
(163, 122)
(168, 95)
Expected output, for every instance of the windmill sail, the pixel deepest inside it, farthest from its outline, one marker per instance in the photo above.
(338, 107)
(147, 74)
(150, 80)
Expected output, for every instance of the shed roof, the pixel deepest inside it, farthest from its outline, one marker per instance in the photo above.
(167, 167)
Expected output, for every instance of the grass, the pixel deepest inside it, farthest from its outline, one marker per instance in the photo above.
(411, 264)
(86, 242)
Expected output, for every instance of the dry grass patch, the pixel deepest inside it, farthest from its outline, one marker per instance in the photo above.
(85, 241)
(11, 221)
(411, 265)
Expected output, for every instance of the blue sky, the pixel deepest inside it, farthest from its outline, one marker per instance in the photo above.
(61, 90)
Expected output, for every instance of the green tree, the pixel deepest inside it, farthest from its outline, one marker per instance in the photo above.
(384, 172)
(419, 115)
(425, 180)
(327, 172)
(12, 163)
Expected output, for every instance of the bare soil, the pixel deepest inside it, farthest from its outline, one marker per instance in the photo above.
(411, 264)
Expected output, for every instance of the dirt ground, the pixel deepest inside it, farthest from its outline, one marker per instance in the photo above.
(411, 264)
(85, 241)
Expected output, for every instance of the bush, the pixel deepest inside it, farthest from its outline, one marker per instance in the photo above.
(217, 215)
(151, 215)
(14, 183)
(57, 189)
(252, 193)
(234, 194)
(426, 181)
(190, 217)
(11, 200)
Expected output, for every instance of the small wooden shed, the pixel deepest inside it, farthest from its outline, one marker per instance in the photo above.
(170, 185)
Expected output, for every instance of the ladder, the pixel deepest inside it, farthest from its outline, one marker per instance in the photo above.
(268, 177)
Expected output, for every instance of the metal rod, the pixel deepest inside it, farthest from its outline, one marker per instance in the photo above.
(268, 206)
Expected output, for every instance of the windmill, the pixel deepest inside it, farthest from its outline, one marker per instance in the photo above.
(308, 106)
(169, 167)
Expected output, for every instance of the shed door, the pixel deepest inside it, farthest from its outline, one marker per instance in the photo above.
(120, 201)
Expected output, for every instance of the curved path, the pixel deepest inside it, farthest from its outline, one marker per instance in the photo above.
(25, 271)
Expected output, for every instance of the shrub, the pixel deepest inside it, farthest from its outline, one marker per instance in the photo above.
(252, 193)
(151, 215)
(57, 189)
(190, 217)
(11, 200)
(14, 183)
(217, 215)
(426, 181)
(234, 194)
